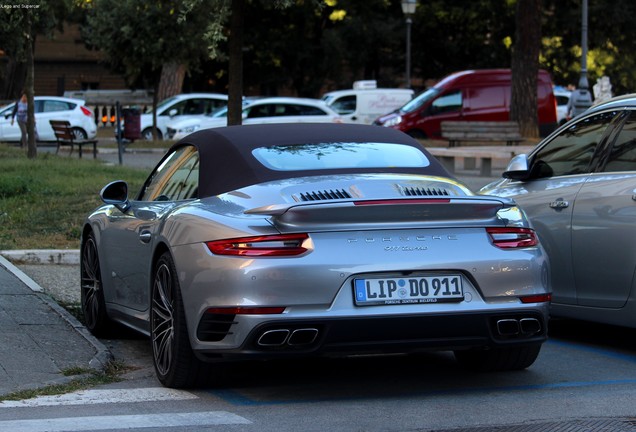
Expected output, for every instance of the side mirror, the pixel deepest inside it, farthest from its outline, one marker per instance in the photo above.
(518, 168)
(173, 112)
(116, 193)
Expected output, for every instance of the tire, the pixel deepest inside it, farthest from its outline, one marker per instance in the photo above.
(79, 133)
(91, 289)
(146, 134)
(499, 359)
(175, 363)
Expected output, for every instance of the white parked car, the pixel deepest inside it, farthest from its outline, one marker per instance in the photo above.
(81, 118)
(180, 107)
(260, 111)
(563, 99)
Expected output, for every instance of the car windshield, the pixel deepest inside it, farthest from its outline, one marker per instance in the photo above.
(420, 100)
(219, 112)
(162, 104)
(340, 155)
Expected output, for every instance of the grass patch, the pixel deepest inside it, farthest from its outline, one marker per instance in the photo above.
(89, 378)
(44, 201)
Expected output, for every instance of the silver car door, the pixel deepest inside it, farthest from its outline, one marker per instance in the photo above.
(126, 250)
(133, 235)
(559, 169)
(604, 221)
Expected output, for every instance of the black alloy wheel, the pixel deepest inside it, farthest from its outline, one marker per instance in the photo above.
(91, 289)
(173, 358)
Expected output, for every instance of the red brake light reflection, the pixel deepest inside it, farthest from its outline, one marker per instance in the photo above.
(512, 237)
(278, 245)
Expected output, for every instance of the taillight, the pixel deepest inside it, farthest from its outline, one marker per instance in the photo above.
(537, 298)
(277, 245)
(512, 237)
(86, 111)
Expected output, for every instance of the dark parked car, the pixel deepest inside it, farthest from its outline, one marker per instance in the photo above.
(578, 186)
(284, 240)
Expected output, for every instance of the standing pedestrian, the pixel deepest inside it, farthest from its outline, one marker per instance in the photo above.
(20, 111)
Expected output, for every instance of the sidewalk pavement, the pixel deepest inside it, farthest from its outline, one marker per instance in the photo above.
(40, 340)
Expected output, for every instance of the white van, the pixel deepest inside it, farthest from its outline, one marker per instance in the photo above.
(364, 102)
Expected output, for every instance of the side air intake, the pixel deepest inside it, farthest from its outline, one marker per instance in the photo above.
(325, 195)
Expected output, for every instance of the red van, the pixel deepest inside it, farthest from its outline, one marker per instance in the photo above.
(472, 95)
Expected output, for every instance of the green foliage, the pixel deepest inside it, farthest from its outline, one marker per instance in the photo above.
(43, 202)
(44, 16)
(149, 34)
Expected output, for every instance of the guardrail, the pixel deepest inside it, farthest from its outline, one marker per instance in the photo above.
(103, 102)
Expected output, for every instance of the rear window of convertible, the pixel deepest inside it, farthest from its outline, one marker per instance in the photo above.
(340, 155)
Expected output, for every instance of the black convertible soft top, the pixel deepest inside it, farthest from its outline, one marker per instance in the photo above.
(227, 163)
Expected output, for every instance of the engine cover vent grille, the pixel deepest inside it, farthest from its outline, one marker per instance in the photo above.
(325, 195)
(417, 191)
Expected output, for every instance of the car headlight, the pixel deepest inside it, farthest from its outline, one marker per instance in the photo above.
(393, 121)
(189, 129)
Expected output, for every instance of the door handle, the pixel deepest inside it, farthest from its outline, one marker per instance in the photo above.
(145, 236)
(559, 204)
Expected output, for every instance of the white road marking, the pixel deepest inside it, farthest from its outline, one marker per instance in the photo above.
(90, 397)
(122, 422)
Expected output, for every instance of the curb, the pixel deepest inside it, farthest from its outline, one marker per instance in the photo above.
(103, 356)
(52, 256)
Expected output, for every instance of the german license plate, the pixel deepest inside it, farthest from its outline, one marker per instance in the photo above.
(408, 290)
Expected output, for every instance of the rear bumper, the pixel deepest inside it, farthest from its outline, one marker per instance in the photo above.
(377, 335)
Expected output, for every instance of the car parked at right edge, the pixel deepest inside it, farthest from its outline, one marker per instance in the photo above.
(578, 187)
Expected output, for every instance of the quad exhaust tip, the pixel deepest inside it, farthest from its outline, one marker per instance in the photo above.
(514, 327)
(282, 337)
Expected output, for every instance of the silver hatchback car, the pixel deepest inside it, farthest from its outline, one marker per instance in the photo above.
(578, 187)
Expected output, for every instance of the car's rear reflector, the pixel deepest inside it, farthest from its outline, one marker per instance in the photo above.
(512, 237)
(246, 310)
(278, 245)
(538, 298)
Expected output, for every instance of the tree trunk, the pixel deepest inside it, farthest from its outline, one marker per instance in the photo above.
(15, 73)
(171, 81)
(235, 79)
(525, 67)
(32, 150)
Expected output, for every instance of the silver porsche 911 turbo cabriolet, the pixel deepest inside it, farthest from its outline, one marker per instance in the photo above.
(312, 239)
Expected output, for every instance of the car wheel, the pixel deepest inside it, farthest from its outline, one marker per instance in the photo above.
(498, 359)
(91, 289)
(175, 363)
(79, 134)
(147, 134)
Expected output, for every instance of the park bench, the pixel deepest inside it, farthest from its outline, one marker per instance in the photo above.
(457, 132)
(64, 136)
(486, 154)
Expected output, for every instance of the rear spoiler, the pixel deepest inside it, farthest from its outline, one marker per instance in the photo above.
(394, 213)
